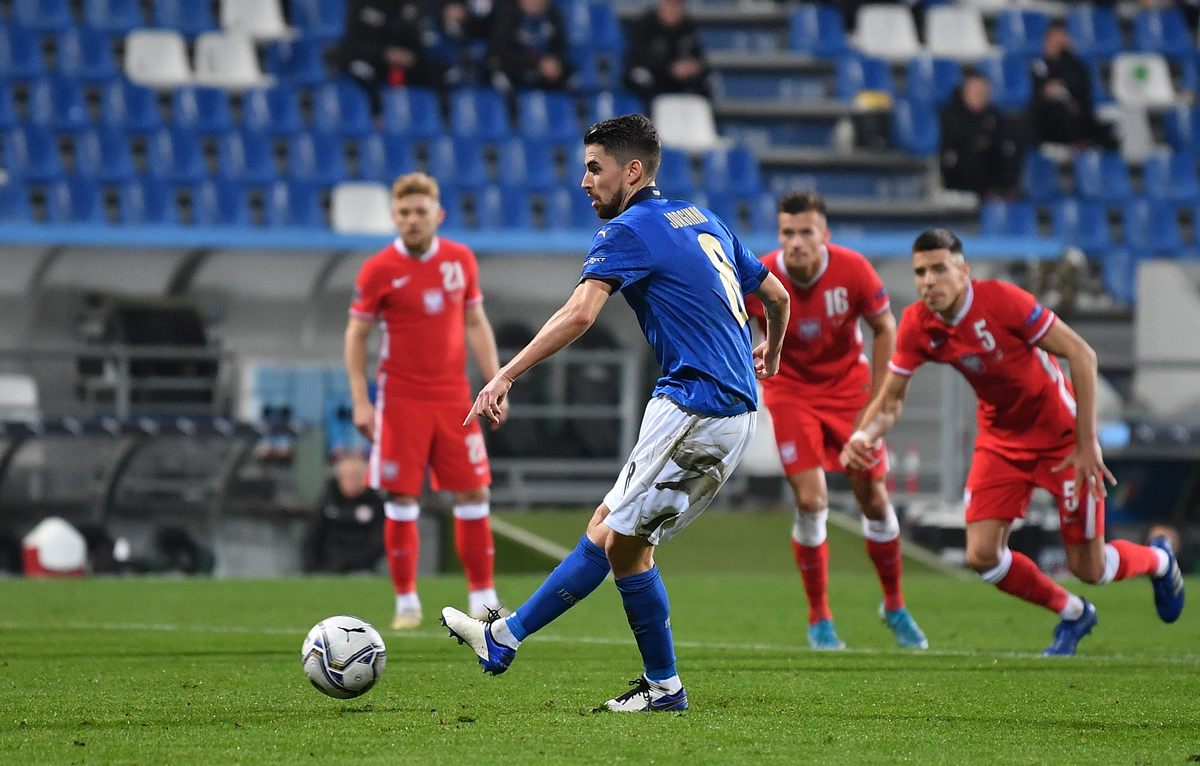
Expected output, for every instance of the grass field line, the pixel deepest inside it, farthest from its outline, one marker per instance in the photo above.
(850, 522)
(167, 627)
(528, 539)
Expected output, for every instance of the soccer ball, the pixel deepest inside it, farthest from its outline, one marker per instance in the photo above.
(343, 656)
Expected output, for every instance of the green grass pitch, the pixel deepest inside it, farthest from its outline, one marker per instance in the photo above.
(145, 671)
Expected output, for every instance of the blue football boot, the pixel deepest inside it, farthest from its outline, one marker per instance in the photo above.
(1168, 589)
(908, 633)
(1069, 633)
(822, 635)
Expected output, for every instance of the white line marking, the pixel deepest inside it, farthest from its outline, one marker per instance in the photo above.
(528, 539)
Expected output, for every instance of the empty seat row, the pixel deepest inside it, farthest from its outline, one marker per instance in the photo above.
(263, 19)
(1105, 177)
(1146, 227)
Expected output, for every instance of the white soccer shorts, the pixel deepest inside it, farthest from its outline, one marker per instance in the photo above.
(679, 463)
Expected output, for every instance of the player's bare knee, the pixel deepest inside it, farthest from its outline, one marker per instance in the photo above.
(983, 560)
(1090, 572)
(471, 497)
(812, 503)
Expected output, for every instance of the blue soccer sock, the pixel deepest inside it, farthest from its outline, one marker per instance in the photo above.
(571, 581)
(649, 613)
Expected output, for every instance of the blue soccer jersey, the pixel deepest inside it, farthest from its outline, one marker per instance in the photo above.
(684, 274)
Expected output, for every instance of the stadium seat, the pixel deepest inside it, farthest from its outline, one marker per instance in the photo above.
(1180, 128)
(956, 32)
(1101, 95)
(104, 155)
(454, 205)
(734, 170)
(148, 202)
(1142, 80)
(675, 176)
(413, 112)
(1012, 87)
(915, 128)
(228, 60)
(1082, 224)
(175, 155)
(361, 208)
(855, 73)
(1163, 31)
(817, 30)
(220, 203)
(570, 208)
(274, 111)
(316, 158)
(609, 104)
(577, 20)
(528, 164)
(932, 80)
(116, 17)
(1171, 176)
(999, 218)
(297, 61)
(74, 200)
(548, 114)
(58, 102)
(1020, 31)
(1041, 176)
(606, 34)
(84, 54)
(1094, 31)
(130, 107)
(43, 16)
(319, 20)
(14, 201)
(246, 157)
(187, 17)
(1102, 176)
(478, 113)
(204, 110)
(294, 204)
(587, 78)
(157, 58)
(8, 107)
(259, 19)
(723, 203)
(20, 55)
(502, 207)
(886, 31)
(458, 159)
(1152, 228)
(341, 108)
(685, 121)
(382, 158)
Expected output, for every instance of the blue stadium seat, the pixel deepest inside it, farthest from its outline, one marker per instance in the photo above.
(1095, 31)
(915, 128)
(1102, 176)
(453, 204)
(528, 163)
(104, 155)
(1162, 30)
(188, 17)
(382, 158)
(297, 61)
(607, 35)
(999, 218)
(74, 200)
(318, 159)
(460, 159)
(341, 108)
(1021, 31)
(148, 202)
(1181, 128)
(1101, 95)
(413, 112)
(675, 176)
(204, 110)
(1171, 176)
(274, 111)
(1042, 182)
(43, 15)
(764, 212)
(1082, 224)
(502, 207)
(577, 20)
(8, 107)
(570, 208)
(932, 80)
(246, 157)
(609, 104)
(1012, 86)
(175, 155)
(724, 204)
(14, 202)
(320, 20)
(479, 113)
(817, 30)
(31, 154)
(20, 54)
(130, 107)
(57, 102)
(857, 73)
(85, 55)
(115, 17)
(220, 203)
(587, 78)
(731, 169)
(548, 114)
(1152, 228)
(294, 203)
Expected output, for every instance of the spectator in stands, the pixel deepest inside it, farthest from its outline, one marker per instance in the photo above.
(384, 46)
(665, 54)
(529, 48)
(346, 535)
(1063, 111)
(979, 150)
(464, 20)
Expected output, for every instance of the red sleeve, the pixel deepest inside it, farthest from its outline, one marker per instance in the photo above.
(909, 353)
(367, 295)
(1021, 312)
(473, 294)
(873, 295)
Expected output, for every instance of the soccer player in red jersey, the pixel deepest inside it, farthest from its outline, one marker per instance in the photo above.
(423, 290)
(824, 381)
(1036, 429)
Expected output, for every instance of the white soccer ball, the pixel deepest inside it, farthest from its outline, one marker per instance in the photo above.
(343, 656)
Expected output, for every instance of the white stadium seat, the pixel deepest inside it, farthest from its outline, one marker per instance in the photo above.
(260, 19)
(18, 397)
(228, 60)
(362, 208)
(685, 122)
(887, 31)
(956, 32)
(157, 58)
(1142, 79)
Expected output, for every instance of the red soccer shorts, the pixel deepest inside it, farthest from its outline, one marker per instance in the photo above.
(999, 487)
(809, 437)
(413, 436)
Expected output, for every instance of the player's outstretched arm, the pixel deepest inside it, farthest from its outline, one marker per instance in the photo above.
(1090, 470)
(561, 329)
(354, 355)
(883, 345)
(877, 420)
(482, 341)
(776, 304)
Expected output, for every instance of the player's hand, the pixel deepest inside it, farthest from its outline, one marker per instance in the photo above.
(765, 365)
(1090, 470)
(858, 454)
(364, 419)
(503, 415)
(492, 401)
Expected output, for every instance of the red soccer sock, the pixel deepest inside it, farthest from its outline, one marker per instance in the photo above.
(813, 561)
(1135, 559)
(403, 547)
(886, 557)
(1025, 581)
(476, 550)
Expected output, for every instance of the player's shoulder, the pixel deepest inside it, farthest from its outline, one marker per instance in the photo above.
(450, 248)
(915, 316)
(378, 260)
(997, 293)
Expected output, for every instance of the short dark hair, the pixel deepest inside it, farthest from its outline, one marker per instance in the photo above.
(628, 137)
(802, 202)
(937, 239)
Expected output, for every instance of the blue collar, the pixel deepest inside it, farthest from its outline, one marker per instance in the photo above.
(643, 194)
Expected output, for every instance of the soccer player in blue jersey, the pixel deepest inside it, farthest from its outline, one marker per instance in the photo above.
(684, 274)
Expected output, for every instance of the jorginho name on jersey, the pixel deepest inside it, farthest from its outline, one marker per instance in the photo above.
(684, 274)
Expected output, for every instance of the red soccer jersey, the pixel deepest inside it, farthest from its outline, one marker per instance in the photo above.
(420, 303)
(822, 359)
(1026, 404)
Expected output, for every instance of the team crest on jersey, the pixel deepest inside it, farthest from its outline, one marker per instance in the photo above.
(389, 469)
(971, 363)
(809, 329)
(787, 452)
(435, 301)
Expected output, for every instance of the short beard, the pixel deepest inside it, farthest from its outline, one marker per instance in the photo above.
(612, 210)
